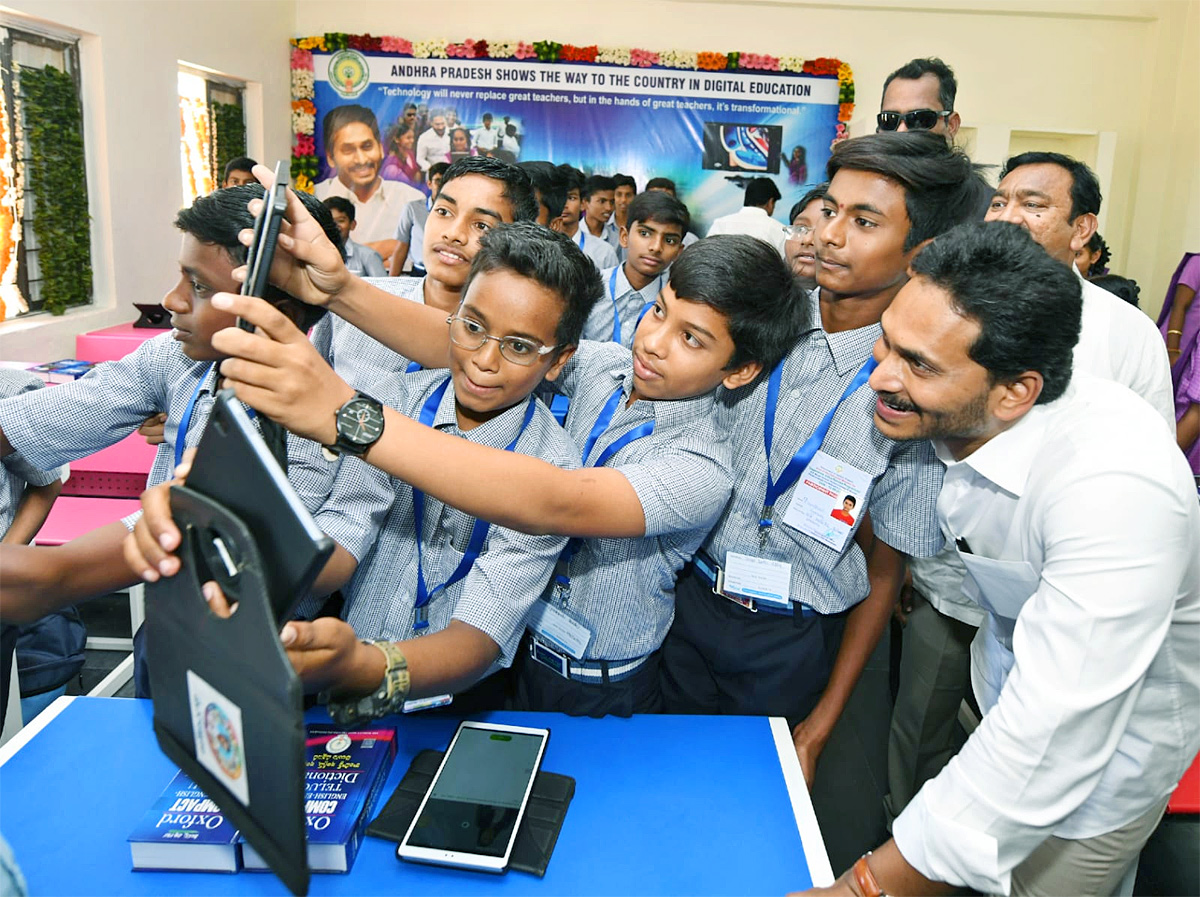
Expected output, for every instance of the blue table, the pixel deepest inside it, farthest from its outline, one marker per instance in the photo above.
(663, 805)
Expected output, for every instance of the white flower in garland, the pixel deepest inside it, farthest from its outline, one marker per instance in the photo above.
(504, 49)
(423, 49)
(302, 122)
(791, 63)
(613, 55)
(302, 84)
(677, 59)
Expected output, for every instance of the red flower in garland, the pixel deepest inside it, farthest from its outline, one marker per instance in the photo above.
(481, 49)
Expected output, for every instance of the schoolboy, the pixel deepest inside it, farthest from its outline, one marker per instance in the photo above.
(786, 654)
(453, 591)
(654, 239)
(238, 171)
(657, 472)
(354, 154)
(410, 229)
(550, 188)
(597, 196)
(476, 195)
(601, 254)
(666, 185)
(624, 190)
(175, 373)
(360, 261)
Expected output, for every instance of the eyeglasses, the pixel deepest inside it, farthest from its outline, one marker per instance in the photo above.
(917, 120)
(796, 230)
(470, 334)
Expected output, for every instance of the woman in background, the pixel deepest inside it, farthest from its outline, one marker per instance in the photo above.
(1179, 322)
(401, 161)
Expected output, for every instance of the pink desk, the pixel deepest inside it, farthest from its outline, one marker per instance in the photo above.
(112, 343)
(118, 471)
(72, 516)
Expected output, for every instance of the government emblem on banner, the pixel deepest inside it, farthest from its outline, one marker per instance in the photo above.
(349, 73)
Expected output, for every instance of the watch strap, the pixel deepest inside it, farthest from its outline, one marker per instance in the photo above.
(865, 878)
(388, 698)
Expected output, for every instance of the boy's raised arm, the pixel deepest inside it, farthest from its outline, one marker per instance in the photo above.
(309, 267)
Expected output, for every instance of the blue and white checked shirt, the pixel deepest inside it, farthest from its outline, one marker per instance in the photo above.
(511, 571)
(907, 475)
(624, 589)
(51, 427)
(629, 304)
(361, 360)
(17, 472)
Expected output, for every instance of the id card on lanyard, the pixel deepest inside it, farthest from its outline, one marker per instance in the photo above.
(752, 572)
(479, 530)
(612, 295)
(552, 621)
(185, 422)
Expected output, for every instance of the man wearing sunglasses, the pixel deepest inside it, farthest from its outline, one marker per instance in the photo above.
(919, 96)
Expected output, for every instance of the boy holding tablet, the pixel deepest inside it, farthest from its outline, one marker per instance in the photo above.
(657, 470)
(654, 237)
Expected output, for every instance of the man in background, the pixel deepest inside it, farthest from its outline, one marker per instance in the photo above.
(919, 96)
(754, 218)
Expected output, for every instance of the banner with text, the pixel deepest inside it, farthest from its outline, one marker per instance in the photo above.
(710, 132)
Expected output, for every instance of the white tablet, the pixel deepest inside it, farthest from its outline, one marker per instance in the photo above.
(471, 814)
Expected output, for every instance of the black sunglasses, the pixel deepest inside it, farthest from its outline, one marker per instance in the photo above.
(917, 120)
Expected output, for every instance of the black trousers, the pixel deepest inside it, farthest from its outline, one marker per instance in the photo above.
(720, 657)
(540, 688)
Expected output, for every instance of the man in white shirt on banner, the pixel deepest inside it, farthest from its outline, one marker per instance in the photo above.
(486, 138)
(354, 153)
(434, 143)
(1076, 518)
(754, 218)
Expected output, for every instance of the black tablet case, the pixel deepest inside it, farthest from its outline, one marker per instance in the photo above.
(544, 816)
(242, 658)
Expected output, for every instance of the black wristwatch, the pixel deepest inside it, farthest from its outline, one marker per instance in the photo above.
(359, 425)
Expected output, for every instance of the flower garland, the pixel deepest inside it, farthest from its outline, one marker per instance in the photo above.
(304, 161)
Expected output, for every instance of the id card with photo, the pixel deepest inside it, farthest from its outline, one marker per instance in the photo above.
(757, 579)
(828, 498)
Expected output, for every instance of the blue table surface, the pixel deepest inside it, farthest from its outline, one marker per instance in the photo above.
(663, 805)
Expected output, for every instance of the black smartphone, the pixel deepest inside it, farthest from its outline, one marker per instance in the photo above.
(234, 467)
(266, 233)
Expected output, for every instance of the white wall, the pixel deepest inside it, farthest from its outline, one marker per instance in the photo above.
(130, 53)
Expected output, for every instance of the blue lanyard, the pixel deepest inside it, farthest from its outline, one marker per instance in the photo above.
(582, 225)
(412, 368)
(185, 422)
(598, 429)
(478, 532)
(805, 453)
(612, 293)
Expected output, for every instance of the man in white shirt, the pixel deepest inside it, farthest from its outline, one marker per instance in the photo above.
(486, 138)
(354, 153)
(1056, 199)
(434, 144)
(754, 218)
(1076, 518)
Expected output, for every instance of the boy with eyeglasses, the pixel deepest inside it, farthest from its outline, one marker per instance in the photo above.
(919, 96)
(657, 469)
(476, 195)
(654, 239)
(444, 597)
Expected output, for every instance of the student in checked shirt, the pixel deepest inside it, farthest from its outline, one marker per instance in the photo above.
(794, 578)
(476, 195)
(452, 590)
(174, 373)
(1074, 514)
(656, 468)
(654, 238)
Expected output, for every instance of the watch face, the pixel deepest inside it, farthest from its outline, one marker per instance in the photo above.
(360, 421)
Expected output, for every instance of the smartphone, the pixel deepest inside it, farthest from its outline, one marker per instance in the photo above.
(234, 467)
(472, 812)
(266, 232)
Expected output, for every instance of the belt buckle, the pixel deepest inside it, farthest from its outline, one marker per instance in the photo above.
(719, 589)
(548, 657)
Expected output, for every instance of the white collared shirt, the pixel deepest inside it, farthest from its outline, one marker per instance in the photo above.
(754, 222)
(1084, 548)
(432, 148)
(375, 217)
(485, 139)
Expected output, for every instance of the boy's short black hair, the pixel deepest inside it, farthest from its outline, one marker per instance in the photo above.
(746, 280)
(340, 116)
(220, 216)
(437, 168)
(761, 191)
(1027, 304)
(624, 180)
(595, 184)
(662, 184)
(816, 192)
(850, 498)
(550, 184)
(918, 68)
(1085, 187)
(549, 259)
(1124, 287)
(518, 189)
(659, 207)
(339, 204)
(241, 163)
(573, 177)
(941, 186)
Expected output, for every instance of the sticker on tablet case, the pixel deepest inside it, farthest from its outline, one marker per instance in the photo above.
(218, 736)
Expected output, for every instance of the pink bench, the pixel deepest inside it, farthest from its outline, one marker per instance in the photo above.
(112, 343)
(73, 516)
